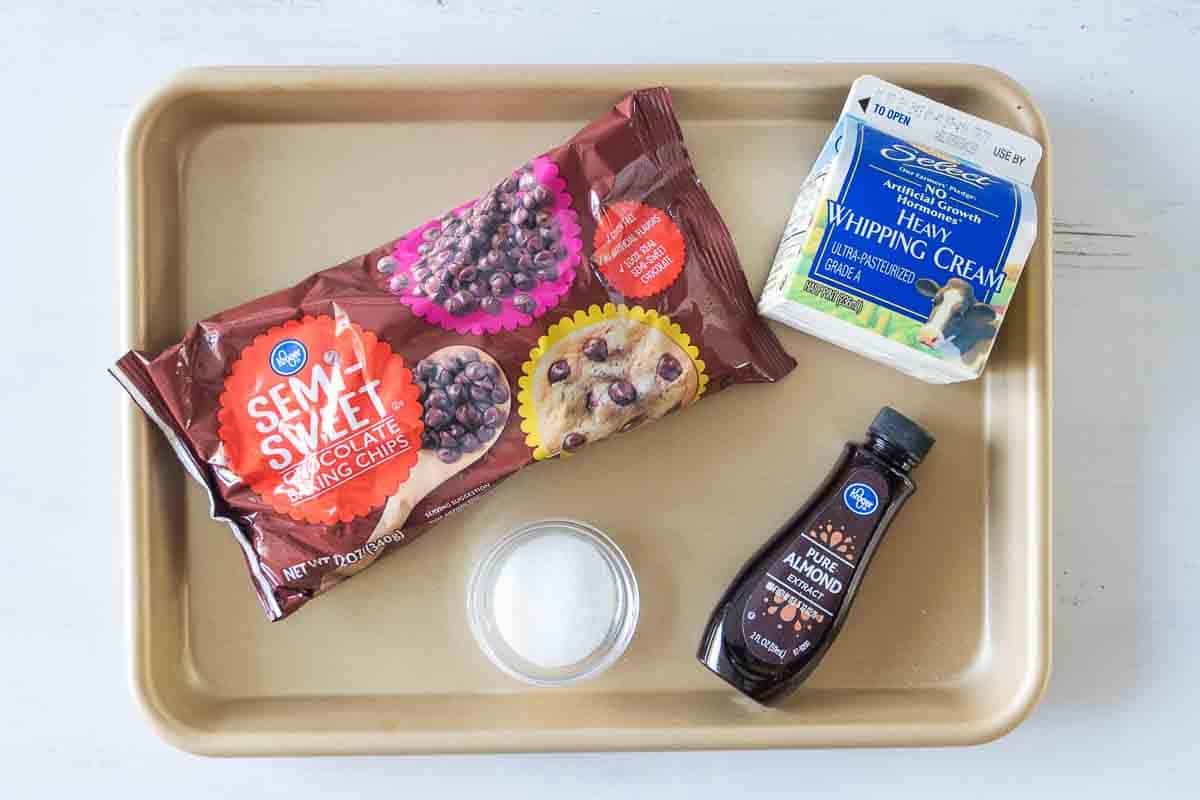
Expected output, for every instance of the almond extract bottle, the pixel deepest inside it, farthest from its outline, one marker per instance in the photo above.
(782, 612)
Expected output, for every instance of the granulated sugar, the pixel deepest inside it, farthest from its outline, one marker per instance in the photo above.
(555, 599)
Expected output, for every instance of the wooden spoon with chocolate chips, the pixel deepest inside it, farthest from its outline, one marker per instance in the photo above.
(466, 400)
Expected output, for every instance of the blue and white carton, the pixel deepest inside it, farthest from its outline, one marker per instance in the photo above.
(909, 234)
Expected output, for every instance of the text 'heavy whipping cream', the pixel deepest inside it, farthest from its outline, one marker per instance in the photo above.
(909, 234)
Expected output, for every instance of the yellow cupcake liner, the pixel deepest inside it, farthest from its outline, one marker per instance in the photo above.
(584, 319)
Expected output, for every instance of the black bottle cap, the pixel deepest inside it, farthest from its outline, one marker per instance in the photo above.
(901, 431)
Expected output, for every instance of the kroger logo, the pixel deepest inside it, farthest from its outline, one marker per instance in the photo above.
(288, 357)
(860, 498)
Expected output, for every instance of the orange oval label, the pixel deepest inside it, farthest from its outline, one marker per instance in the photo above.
(638, 248)
(321, 419)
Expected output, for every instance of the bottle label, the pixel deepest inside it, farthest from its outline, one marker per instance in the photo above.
(791, 610)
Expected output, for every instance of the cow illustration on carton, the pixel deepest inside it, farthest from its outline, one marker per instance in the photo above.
(957, 319)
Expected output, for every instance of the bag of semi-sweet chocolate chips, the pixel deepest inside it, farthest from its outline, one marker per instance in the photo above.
(591, 291)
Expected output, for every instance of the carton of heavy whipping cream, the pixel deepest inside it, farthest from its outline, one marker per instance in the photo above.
(909, 235)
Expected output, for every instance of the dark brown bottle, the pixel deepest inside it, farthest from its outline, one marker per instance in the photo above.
(782, 612)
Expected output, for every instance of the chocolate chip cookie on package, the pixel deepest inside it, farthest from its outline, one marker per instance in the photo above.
(606, 371)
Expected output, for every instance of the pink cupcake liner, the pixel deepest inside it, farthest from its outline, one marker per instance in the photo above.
(546, 294)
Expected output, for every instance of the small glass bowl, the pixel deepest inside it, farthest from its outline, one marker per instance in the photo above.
(481, 611)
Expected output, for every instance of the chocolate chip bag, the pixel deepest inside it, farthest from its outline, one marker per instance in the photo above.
(591, 291)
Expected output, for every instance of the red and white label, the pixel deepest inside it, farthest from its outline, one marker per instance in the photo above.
(321, 419)
(638, 248)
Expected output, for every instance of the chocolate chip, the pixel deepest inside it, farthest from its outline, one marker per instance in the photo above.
(398, 283)
(480, 394)
(419, 274)
(455, 306)
(468, 300)
(426, 369)
(439, 399)
(429, 439)
(456, 430)
(436, 418)
(547, 275)
(468, 416)
(492, 306)
(425, 248)
(501, 284)
(573, 441)
(500, 395)
(528, 201)
(431, 233)
(485, 383)
(468, 357)
(494, 417)
(523, 281)
(596, 349)
(467, 274)
(470, 443)
(589, 402)
(445, 439)
(541, 194)
(520, 218)
(622, 392)
(444, 376)
(462, 380)
(559, 371)
(509, 184)
(527, 181)
(479, 289)
(544, 260)
(456, 393)
(485, 433)
(432, 286)
(448, 454)
(386, 265)
(476, 371)
(524, 303)
(669, 367)
(548, 233)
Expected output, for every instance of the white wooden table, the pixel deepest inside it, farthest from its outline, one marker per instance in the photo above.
(1121, 711)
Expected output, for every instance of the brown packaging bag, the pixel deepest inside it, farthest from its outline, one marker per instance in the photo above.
(592, 290)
